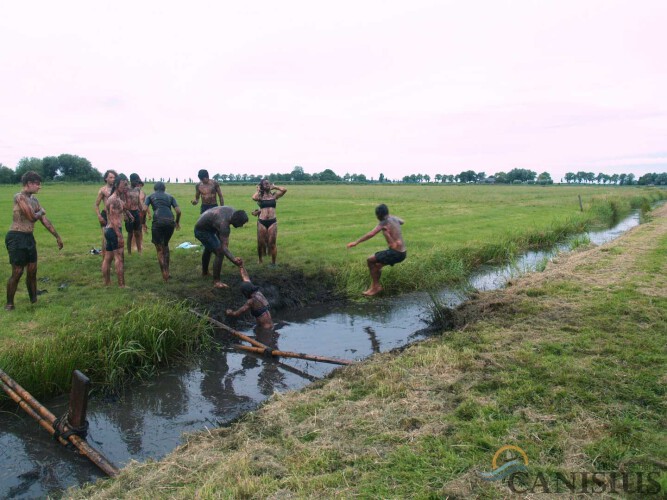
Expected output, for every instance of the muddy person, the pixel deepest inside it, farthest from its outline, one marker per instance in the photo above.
(134, 205)
(163, 224)
(209, 191)
(391, 227)
(102, 196)
(256, 303)
(267, 225)
(114, 249)
(213, 229)
(20, 240)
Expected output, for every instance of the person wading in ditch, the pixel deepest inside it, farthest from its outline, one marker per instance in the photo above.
(163, 224)
(209, 191)
(391, 227)
(213, 229)
(256, 303)
(102, 196)
(135, 205)
(115, 207)
(20, 240)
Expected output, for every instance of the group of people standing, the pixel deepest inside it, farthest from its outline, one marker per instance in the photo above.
(124, 201)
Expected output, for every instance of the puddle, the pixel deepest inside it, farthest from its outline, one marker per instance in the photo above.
(149, 419)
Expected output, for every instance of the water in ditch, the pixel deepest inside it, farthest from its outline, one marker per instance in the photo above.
(148, 420)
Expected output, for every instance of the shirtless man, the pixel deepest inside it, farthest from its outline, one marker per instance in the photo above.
(256, 303)
(20, 240)
(135, 205)
(115, 207)
(102, 195)
(213, 229)
(391, 227)
(209, 190)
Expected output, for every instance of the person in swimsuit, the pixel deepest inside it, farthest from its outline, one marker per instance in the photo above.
(391, 227)
(102, 195)
(267, 225)
(134, 205)
(213, 229)
(20, 241)
(113, 234)
(209, 191)
(163, 224)
(256, 303)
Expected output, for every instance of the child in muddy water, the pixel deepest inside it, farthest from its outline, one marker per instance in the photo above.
(256, 303)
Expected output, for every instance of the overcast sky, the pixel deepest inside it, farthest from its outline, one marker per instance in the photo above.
(399, 87)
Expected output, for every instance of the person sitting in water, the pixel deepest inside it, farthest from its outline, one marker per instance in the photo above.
(256, 303)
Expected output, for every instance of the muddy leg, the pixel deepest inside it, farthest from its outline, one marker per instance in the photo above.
(375, 269)
(31, 281)
(12, 284)
(120, 267)
(205, 259)
(106, 267)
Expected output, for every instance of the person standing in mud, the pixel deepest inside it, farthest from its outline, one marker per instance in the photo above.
(20, 240)
(102, 196)
(213, 229)
(256, 303)
(163, 224)
(113, 234)
(391, 227)
(267, 225)
(134, 205)
(209, 191)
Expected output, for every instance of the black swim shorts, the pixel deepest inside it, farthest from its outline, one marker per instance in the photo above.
(135, 224)
(162, 231)
(112, 240)
(390, 257)
(21, 248)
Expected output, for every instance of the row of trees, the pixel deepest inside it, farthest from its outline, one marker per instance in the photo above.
(65, 167)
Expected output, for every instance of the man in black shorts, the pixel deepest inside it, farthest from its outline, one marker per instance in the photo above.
(20, 240)
(391, 227)
(163, 224)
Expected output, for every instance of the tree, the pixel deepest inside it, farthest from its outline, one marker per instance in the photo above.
(381, 179)
(29, 164)
(521, 175)
(7, 175)
(544, 178)
(298, 174)
(328, 175)
(570, 177)
(76, 168)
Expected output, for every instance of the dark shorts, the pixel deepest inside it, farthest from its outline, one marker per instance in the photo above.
(204, 208)
(112, 240)
(103, 213)
(209, 239)
(21, 247)
(135, 225)
(390, 257)
(162, 232)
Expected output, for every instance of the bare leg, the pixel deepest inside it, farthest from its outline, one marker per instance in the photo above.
(12, 284)
(166, 260)
(272, 238)
(217, 267)
(205, 259)
(130, 235)
(375, 269)
(31, 281)
(120, 267)
(160, 259)
(261, 241)
(139, 238)
(106, 267)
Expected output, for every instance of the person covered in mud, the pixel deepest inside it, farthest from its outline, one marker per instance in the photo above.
(164, 224)
(102, 196)
(114, 249)
(256, 303)
(209, 191)
(267, 225)
(391, 228)
(134, 205)
(213, 229)
(20, 240)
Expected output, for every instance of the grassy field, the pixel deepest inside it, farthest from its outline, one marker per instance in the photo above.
(449, 230)
(568, 364)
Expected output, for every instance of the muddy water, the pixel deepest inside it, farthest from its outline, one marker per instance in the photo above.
(149, 419)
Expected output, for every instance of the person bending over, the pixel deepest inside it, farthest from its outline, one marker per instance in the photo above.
(256, 303)
(209, 191)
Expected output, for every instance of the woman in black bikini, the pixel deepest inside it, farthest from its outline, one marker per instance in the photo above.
(267, 226)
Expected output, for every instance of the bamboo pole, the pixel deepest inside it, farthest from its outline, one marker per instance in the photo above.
(47, 420)
(284, 366)
(264, 349)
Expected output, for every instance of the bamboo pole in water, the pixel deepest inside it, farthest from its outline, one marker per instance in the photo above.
(264, 349)
(47, 420)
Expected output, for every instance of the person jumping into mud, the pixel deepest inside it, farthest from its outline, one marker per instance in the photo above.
(163, 224)
(391, 227)
(213, 229)
(209, 191)
(135, 205)
(256, 303)
(267, 225)
(20, 240)
(113, 234)
(102, 196)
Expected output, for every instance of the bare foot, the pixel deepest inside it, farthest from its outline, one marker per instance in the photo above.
(204, 274)
(220, 284)
(373, 291)
(9, 307)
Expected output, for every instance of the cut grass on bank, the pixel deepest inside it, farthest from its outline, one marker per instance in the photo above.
(568, 364)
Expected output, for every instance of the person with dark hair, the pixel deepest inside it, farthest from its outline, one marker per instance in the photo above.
(114, 249)
(20, 240)
(209, 191)
(267, 225)
(134, 205)
(256, 303)
(391, 227)
(213, 229)
(163, 224)
(102, 195)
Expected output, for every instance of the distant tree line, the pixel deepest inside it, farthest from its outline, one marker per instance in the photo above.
(66, 168)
